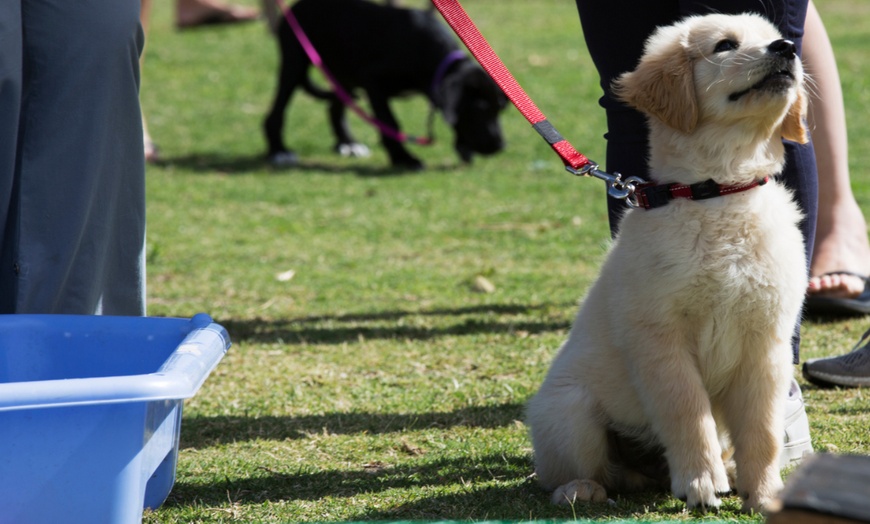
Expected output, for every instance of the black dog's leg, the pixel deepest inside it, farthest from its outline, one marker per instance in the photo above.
(345, 143)
(399, 156)
(292, 73)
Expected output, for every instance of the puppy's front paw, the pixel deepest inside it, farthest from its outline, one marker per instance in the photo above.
(701, 496)
(579, 491)
(762, 498)
(758, 504)
(701, 492)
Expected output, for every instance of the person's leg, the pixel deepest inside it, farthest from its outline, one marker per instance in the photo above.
(151, 151)
(11, 78)
(615, 33)
(841, 237)
(80, 202)
(841, 242)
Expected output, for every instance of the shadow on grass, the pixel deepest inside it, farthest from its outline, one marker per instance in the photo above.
(336, 329)
(220, 163)
(489, 487)
(308, 484)
(201, 432)
(215, 162)
(527, 501)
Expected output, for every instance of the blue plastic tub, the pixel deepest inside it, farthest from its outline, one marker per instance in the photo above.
(90, 412)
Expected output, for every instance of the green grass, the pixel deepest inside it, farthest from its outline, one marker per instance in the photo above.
(378, 383)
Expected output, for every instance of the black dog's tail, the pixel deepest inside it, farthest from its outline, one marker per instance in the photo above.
(318, 92)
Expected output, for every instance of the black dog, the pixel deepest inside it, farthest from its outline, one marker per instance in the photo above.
(386, 52)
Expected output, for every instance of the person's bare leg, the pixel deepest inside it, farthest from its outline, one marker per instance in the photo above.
(189, 13)
(841, 236)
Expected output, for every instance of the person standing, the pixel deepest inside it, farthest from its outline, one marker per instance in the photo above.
(72, 171)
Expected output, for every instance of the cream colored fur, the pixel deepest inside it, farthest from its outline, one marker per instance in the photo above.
(685, 338)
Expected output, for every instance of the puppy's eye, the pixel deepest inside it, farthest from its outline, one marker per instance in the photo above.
(726, 45)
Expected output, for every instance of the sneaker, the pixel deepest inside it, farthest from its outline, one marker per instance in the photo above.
(797, 442)
(849, 370)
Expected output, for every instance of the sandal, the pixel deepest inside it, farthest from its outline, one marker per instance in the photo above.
(819, 305)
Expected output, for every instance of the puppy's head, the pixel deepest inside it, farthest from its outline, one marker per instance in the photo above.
(471, 102)
(718, 70)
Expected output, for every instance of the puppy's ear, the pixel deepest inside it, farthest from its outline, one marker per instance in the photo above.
(663, 85)
(793, 127)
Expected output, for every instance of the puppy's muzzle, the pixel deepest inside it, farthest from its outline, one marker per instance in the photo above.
(783, 54)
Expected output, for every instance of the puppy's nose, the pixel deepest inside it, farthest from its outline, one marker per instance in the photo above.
(784, 48)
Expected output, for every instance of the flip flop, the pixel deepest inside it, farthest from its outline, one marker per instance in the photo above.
(220, 16)
(835, 307)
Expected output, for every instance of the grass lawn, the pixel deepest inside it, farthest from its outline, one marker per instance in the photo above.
(380, 382)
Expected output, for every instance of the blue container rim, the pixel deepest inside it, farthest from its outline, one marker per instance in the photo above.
(180, 377)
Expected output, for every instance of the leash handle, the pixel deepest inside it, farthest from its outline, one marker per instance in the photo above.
(458, 19)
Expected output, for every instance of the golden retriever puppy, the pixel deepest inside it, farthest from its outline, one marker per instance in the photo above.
(681, 351)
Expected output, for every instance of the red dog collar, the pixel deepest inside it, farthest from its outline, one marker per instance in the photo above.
(651, 195)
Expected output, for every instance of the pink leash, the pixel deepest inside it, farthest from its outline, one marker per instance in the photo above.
(340, 92)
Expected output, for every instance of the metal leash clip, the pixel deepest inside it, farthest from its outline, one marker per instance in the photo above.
(616, 186)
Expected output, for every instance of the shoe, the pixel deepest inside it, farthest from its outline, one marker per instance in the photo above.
(849, 370)
(797, 442)
(819, 305)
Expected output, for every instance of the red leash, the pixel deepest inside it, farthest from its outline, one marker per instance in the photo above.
(636, 191)
(480, 48)
(575, 162)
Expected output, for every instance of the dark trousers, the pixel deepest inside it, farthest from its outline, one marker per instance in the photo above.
(72, 170)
